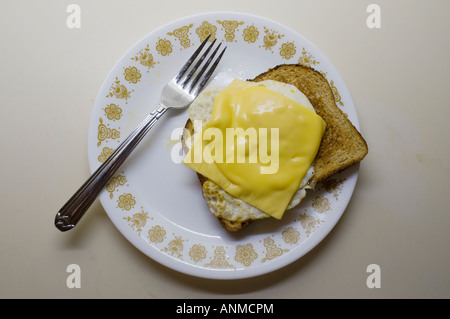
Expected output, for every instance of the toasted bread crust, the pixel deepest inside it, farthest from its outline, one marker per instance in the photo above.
(342, 145)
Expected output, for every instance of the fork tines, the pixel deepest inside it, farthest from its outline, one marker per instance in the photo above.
(188, 78)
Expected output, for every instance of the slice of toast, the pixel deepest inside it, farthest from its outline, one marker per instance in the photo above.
(342, 145)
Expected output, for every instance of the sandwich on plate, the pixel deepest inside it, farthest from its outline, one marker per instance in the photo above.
(257, 146)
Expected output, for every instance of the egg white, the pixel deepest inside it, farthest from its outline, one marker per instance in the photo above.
(220, 203)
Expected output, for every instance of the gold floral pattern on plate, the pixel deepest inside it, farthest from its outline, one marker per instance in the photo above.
(114, 183)
(272, 249)
(137, 221)
(219, 259)
(309, 223)
(288, 50)
(250, 34)
(164, 47)
(291, 235)
(126, 201)
(333, 186)
(113, 112)
(206, 29)
(307, 59)
(132, 74)
(145, 58)
(271, 38)
(105, 133)
(157, 234)
(182, 34)
(321, 204)
(119, 91)
(106, 151)
(175, 247)
(230, 26)
(245, 254)
(197, 252)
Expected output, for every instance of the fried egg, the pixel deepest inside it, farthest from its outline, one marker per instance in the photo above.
(220, 203)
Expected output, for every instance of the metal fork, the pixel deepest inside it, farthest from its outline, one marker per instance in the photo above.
(178, 93)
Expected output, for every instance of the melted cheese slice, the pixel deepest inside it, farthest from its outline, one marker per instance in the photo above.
(288, 136)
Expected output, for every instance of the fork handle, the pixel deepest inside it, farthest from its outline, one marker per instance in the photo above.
(69, 215)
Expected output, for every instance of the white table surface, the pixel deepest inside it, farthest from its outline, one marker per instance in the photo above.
(398, 217)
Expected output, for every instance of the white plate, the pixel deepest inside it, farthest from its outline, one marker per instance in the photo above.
(157, 204)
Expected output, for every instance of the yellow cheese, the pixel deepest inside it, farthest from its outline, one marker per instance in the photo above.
(257, 146)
